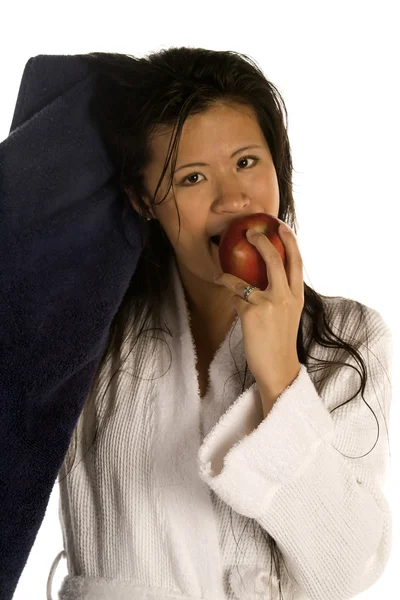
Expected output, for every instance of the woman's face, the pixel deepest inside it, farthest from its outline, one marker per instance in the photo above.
(230, 184)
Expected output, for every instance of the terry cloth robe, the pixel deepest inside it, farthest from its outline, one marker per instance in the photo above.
(147, 515)
(147, 512)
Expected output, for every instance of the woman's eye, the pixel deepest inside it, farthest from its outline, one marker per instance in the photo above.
(255, 158)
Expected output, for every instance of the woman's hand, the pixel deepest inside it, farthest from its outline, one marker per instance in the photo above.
(270, 319)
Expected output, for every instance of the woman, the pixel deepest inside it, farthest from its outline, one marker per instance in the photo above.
(214, 463)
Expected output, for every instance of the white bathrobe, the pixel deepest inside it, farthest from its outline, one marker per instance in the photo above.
(174, 497)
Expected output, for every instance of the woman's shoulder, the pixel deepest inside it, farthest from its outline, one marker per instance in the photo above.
(347, 325)
(352, 316)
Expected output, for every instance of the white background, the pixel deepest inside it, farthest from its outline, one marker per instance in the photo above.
(337, 67)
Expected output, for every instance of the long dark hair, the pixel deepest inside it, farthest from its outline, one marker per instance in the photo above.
(131, 97)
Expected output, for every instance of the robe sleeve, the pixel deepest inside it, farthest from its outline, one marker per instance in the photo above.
(312, 477)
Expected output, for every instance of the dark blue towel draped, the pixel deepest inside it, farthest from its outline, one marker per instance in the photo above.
(66, 260)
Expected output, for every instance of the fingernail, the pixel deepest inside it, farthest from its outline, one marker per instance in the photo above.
(283, 228)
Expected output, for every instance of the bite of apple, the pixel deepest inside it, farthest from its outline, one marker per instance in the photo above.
(241, 258)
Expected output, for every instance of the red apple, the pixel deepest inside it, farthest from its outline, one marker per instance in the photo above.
(242, 259)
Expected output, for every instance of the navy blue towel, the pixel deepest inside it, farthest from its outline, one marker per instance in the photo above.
(66, 259)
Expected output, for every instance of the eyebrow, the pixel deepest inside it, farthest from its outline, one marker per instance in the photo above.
(200, 164)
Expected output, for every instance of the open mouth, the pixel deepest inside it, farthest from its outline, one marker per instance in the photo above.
(215, 239)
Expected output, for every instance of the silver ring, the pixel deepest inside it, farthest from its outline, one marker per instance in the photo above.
(248, 289)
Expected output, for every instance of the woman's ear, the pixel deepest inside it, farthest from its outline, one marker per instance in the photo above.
(132, 199)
